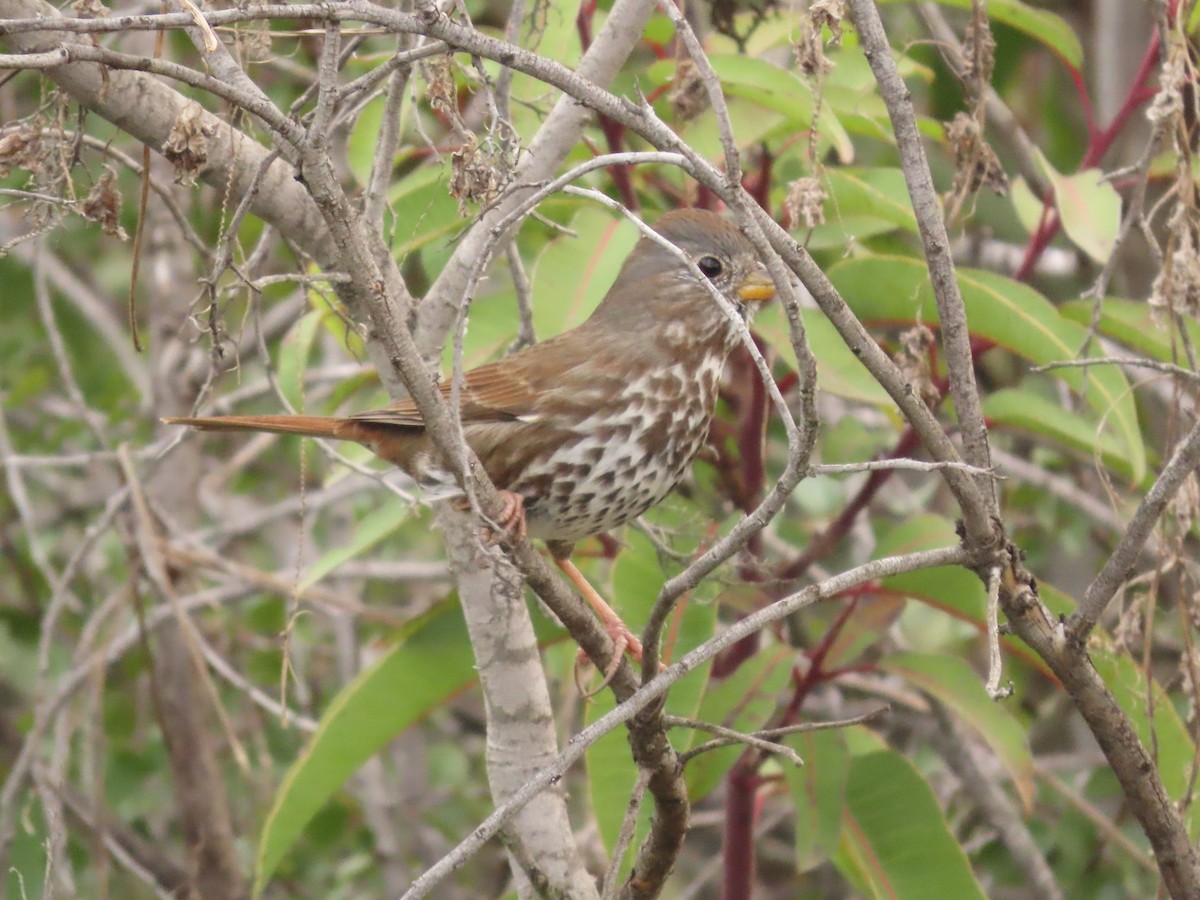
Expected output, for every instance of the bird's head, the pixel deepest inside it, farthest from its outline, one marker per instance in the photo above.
(655, 285)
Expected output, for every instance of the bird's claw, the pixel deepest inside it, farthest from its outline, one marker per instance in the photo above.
(511, 519)
(624, 642)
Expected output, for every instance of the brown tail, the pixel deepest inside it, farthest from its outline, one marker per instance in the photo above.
(313, 426)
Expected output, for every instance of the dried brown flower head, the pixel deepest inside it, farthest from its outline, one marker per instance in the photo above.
(22, 148)
(103, 204)
(476, 175)
(975, 162)
(914, 362)
(1177, 285)
(805, 201)
(443, 93)
(187, 144)
(687, 95)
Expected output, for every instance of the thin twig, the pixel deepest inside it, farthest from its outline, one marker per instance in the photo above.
(1181, 466)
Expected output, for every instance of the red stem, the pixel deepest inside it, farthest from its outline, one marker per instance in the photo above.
(1089, 115)
(738, 849)
(614, 132)
(751, 433)
(759, 186)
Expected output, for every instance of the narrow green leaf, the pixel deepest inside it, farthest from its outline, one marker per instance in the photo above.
(851, 93)
(572, 274)
(1010, 314)
(862, 204)
(370, 530)
(364, 136)
(953, 591)
(895, 841)
(744, 702)
(1047, 28)
(818, 792)
(294, 353)
(1044, 26)
(430, 214)
(338, 325)
(839, 371)
(430, 662)
(637, 578)
(949, 589)
(752, 85)
(879, 192)
(1135, 324)
(491, 329)
(766, 84)
(1032, 412)
(1027, 207)
(1165, 731)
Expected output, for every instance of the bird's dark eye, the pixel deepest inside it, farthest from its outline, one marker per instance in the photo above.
(710, 266)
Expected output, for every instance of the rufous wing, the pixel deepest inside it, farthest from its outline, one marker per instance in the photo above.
(503, 391)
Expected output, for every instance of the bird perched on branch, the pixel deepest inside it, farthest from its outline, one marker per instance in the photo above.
(589, 429)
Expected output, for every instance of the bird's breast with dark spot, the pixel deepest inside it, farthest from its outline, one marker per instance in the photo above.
(622, 456)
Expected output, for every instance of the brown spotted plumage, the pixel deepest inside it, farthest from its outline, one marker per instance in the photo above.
(593, 427)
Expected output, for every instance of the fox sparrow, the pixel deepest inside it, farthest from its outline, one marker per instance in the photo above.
(591, 428)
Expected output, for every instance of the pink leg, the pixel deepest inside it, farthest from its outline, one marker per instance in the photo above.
(622, 637)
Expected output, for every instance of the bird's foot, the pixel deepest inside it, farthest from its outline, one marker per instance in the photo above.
(624, 641)
(510, 520)
(512, 514)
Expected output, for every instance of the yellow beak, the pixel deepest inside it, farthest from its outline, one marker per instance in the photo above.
(758, 287)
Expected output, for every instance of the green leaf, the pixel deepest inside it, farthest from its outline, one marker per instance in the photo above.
(1135, 324)
(370, 530)
(949, 589)
(1010, 314)
(425, 211)
(852, 94)
(839, 371)
(572, 274)
(1089, 207)
(879, 192)
(895, 841)
(338, 326)
(873, 617)
(959, 688)
(491, 329)
(752, 85)
(1027, 206)
(1050, 29)
(430, 663)
(818, 792)
(1043, 26)
(954, 591)
(766, 84)
(1166, 732)
(862, 203)
(293, 356)
(744, 701)
(364, 136)
(1032, 412)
